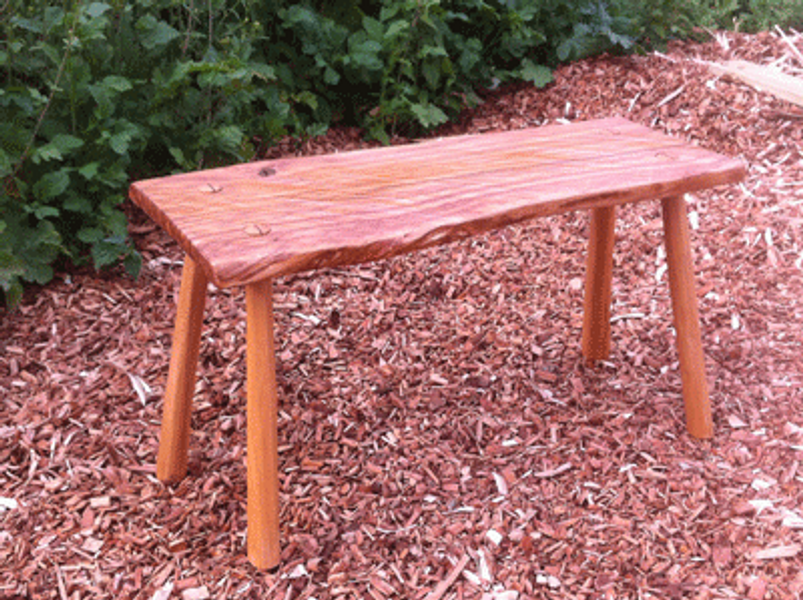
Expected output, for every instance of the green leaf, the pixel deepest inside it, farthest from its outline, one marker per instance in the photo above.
(90, 235)
(133, 263)
(377, 132)
(38, 272)
(115, 221)
(51, 185)
(538, 75)
(264, 72)
(41, 246)
(90, 170)
(6, 166)
(471, 55)
(432, 73)
(308, 98)
(396, 29)
(13, 292)
(59, 146)
(366, 54)
(330, 76)
(429, 115)
(32, 25)
(96, 9)
(229, 138)
(105, 253)
(178, 156)
(11, 268)
(154, 33)
(78, 204)
(117, 83)
(436, 51)
(43, 212)
(373, 28)
(121, 140)
(624, 41)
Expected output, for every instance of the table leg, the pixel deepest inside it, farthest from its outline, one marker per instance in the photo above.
(596, 342)
(262, 429)
(174, 441)
(686, 318)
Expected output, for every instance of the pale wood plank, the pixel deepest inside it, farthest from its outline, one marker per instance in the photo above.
(763, 78)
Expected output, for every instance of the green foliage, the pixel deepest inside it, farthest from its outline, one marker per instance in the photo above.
(96, 93)
(655, 21)
(759, 15)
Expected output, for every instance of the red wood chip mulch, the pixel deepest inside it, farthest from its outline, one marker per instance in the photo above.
(440, 434)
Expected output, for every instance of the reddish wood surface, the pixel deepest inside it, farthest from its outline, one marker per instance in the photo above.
(260, 220)
(686, 318)
(174, 440)
(596, 341)
(262, 429)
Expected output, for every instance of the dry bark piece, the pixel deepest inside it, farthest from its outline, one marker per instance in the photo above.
(787, 551)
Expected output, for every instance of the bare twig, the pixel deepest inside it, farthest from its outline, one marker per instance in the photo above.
(41, 119)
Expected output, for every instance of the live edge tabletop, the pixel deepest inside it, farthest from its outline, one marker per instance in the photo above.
(260, 220)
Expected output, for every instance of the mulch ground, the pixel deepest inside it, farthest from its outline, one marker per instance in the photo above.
(440, 435)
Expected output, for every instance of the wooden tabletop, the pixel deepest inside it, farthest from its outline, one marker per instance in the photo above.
(265, 219)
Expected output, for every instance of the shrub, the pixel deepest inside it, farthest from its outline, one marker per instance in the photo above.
(96, 93)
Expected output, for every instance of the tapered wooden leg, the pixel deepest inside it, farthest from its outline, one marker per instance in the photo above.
(686, 317)
(263, 453)
(171, 464)
(596, 343)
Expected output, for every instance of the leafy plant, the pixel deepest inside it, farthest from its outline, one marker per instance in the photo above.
(98, 92)
(759, 15)
(95, 91)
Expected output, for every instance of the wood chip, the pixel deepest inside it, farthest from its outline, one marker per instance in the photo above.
(549, 473)
(198, 593)
(444, 585)
(778, 552)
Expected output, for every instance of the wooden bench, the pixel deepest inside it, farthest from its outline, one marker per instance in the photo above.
(248, 224)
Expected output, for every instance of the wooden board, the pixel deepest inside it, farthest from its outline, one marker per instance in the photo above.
(763, 78)
(265, 219)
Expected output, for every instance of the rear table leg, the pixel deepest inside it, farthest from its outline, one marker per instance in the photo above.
(686, 317)
(174, 441)
(596, 342)
(262, 429)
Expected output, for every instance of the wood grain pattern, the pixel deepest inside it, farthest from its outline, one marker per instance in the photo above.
(261, 220)
(174, 439)
(262, 431)
(686, 318)
(596, 340)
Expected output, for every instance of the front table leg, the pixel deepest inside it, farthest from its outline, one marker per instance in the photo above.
(262, 429)
(596, 342)
(687, 323)
(171, 464)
